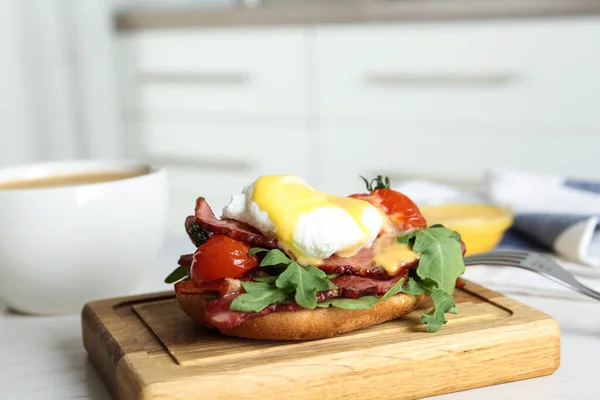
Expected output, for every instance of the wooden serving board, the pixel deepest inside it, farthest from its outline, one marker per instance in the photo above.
(145, 348)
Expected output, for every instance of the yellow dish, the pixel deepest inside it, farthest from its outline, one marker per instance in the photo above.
(481, 226)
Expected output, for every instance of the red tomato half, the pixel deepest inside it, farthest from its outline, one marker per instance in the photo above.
(401, 210)
(221, 257)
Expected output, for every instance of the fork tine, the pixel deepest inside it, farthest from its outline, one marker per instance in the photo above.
(508, 253)
(538, 263)
(490, 259)
(492, 262)
(501, 257)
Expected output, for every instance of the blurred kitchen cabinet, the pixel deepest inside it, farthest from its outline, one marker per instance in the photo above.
(504, 71)
(451, 153)
(217, 107)
(234, 72)
(444, 101)
(215, 161)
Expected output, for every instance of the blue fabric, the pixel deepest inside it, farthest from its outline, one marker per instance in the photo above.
(539, 232)
(587, 186)
(545, 228)
(514, 240)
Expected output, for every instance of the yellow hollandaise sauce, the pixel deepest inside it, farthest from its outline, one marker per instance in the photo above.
(391, 255)
(481, 226)
(286, 198)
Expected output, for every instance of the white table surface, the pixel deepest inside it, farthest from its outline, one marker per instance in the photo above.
(43, 357)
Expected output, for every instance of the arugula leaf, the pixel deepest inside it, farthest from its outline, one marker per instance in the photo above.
(267, 279)
(414, 287)
(303, 282)
(306, 281)
(441, 259)
(435, 318)
(256, 250)
(362, 302)
(275, 257)
(406, 239)
(441, 263)
(258, 296)
(178, 274)
(442, 303)
(452, 234)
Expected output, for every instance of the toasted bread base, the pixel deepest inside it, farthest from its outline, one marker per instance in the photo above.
(306, 324)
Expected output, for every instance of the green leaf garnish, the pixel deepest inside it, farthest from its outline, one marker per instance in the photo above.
(435, 318)
(267, 279)
(440, 264)
(303, 282)
(258, 296)
(441, 258)
(378, 183)
(275, 257)
(256, 250)
(306, 282)
(452, 234)
(178, 274)
(442, 303)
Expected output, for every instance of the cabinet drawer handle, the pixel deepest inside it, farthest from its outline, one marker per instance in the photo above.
(206, 163)
(198, 78)
(392, 79)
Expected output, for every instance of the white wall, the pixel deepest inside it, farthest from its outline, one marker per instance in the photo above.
(15, 139)
(58, 81)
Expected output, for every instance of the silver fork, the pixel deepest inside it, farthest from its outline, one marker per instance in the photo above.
(535, 262)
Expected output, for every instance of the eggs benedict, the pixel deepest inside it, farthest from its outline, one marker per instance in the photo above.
(288, 262)
(310, 225)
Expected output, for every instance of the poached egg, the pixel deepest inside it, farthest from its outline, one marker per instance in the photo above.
(309, 224)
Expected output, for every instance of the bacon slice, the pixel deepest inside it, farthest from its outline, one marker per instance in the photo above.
(234, 229)
(353, 286)
(360, 264)
(186, 260)
(223, 286)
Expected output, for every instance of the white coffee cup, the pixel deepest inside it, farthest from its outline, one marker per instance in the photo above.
(62, 246)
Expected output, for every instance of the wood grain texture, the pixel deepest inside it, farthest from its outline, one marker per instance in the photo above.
(146, 348)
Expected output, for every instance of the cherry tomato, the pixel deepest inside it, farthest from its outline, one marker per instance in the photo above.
(401, 210)
(221, 257)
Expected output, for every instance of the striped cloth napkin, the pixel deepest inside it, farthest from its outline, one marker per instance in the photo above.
(552, 214)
